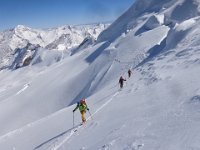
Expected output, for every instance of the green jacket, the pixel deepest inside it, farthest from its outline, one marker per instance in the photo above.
(81, 107)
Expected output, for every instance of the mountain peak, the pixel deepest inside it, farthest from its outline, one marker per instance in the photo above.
(21, 27)
(60, 38)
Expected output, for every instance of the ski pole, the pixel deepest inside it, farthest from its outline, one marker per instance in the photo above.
(90, 115)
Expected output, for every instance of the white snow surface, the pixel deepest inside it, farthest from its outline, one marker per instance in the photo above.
(157, 109)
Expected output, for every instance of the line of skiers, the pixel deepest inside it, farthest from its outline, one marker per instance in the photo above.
(121, 79)
(82, 106)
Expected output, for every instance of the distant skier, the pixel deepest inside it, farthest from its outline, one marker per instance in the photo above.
(129, 73)
(82, 106)
(121, 81)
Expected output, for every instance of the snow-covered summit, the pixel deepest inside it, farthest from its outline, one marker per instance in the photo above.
(61, 38)
(48, 36)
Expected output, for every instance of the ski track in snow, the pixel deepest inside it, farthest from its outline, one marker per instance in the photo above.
(55, 146)
(158, 40)
(23, 89)
(20, 130)
(66, 134)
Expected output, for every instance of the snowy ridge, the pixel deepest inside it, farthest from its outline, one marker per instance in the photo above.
(171, 9)
(61, 38)
(158, 107)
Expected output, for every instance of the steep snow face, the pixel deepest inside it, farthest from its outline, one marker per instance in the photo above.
(173, 11)
(61, 38)
(158, 107)
(154, 21)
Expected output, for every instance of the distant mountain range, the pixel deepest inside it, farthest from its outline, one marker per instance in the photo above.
(21, 37)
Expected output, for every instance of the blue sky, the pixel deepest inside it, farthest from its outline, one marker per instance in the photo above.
(52, 13)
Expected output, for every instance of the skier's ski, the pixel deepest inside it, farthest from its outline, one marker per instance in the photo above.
(76, 128)
(83, 124)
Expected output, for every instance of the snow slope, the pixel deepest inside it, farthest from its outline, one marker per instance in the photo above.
(158, 108)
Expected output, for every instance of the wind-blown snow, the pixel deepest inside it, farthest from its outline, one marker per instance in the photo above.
(158, 108)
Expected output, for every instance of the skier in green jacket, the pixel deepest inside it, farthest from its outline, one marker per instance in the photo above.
(82, 106)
